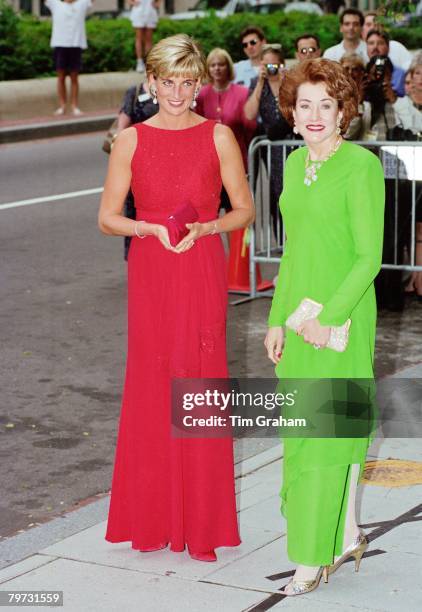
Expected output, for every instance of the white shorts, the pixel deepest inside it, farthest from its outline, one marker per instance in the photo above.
(143, 16)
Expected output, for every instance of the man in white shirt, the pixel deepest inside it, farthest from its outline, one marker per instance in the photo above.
(398, 53)
(252, 40)
(68, 39)
(351, 22)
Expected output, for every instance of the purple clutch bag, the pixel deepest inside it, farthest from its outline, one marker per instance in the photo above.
(176, 222)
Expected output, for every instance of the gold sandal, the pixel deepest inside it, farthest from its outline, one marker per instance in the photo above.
(356, 550)
(300, 587)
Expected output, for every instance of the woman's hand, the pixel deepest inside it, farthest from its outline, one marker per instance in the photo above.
(274, 343)
(314, 333)
(161, 232)
(195, 231)
(262, 74)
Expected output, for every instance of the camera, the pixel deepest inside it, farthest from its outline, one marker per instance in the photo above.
(380, 63)
(378, 70)
(272, 69)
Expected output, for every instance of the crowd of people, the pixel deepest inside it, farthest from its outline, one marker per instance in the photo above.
(244, 96)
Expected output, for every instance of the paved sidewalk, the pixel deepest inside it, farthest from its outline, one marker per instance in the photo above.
(95, 574)
(27, 106)
(49, 126)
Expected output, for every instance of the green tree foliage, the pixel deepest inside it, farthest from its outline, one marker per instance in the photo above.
(9, 25)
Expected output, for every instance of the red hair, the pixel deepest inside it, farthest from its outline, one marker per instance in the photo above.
(337, 82)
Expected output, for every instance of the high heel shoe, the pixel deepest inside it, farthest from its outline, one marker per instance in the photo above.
(300, 587)
(208, 556)
(356, 550)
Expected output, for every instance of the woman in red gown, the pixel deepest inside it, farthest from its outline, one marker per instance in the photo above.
(168, 490)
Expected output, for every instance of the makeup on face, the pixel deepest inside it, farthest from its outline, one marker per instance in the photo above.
(174, 94)
(315, 112)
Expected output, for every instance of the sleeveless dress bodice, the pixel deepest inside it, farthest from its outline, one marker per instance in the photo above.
(172, 166)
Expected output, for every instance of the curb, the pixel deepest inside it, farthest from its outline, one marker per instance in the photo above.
(20, 133)
(18, 547)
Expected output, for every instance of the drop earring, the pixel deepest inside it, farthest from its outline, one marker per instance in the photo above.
(154, 95)
(338, 128)
(295, 130)
(193, 104)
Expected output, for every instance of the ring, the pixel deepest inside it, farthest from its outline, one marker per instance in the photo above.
(317, 346)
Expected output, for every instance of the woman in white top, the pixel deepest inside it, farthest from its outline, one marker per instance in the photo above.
(68, 39)
(144, 18)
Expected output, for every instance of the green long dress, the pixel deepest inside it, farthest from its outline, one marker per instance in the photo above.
(334, 230)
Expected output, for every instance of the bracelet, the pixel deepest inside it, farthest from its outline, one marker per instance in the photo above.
(214, 229)
(136, 229)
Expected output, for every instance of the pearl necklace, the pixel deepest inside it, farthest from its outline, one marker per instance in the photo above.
(311, 167)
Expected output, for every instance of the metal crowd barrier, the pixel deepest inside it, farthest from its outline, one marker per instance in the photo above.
(402, 163)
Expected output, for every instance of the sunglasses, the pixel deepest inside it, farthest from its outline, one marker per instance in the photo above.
(252, 42)
(307, 50)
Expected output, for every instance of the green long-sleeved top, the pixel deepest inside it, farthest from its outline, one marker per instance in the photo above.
(334, 230)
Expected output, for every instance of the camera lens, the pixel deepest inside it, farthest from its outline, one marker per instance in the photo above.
(272, 69)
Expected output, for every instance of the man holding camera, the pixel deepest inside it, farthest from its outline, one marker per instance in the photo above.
(383, 84)
(378, 45)
(398, 53)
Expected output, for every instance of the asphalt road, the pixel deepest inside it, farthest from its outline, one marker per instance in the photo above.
(63, 334)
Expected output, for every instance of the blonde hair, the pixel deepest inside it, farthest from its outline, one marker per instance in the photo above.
(218, 53)
(177, 56)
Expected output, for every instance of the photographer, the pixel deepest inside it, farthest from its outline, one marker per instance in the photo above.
(263, 100)
(378, 43)
(382, 98)
(378, 91)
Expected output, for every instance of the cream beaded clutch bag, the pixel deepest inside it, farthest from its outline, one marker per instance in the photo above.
(309, 309)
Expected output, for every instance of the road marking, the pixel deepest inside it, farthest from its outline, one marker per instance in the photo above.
(52, 198)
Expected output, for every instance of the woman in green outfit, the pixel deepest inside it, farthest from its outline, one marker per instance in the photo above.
(333, 209)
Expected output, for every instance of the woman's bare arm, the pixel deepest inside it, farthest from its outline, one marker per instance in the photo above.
(110, 218)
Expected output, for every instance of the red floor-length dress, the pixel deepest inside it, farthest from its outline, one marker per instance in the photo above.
(166, 489)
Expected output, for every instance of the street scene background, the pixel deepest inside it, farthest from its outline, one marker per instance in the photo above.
(63, 328)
